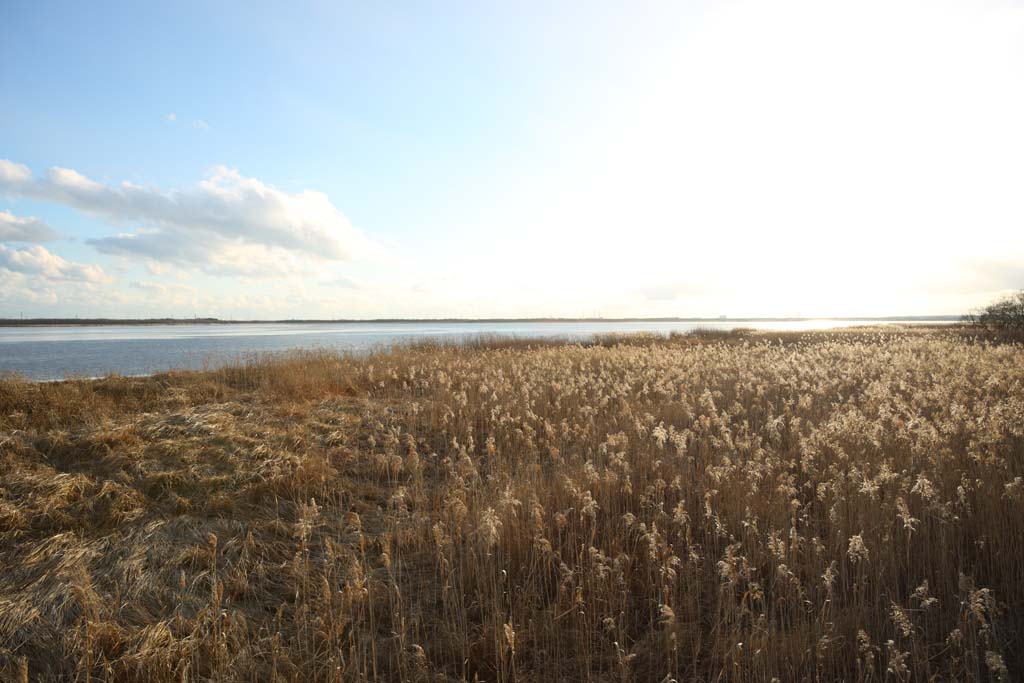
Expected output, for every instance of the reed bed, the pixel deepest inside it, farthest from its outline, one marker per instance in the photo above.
(843, 505)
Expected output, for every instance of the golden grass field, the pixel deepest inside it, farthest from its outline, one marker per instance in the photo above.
(826, 506)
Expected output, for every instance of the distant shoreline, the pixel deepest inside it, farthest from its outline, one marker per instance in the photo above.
(64, 322)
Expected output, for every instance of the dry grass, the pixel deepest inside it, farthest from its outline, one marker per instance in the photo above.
(745, 507)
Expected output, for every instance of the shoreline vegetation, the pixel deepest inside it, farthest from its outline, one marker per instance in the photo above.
(31, 322)
(718, 505)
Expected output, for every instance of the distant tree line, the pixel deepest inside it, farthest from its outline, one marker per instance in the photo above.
(1004, 318)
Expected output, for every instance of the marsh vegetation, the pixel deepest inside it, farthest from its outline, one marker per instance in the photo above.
(739, 507)
(1002, 319)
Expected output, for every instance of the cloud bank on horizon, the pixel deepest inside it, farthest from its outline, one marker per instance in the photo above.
(226, 222)
(227, 225)
(747, 158)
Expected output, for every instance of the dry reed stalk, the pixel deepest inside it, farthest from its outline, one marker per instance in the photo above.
(746, 507)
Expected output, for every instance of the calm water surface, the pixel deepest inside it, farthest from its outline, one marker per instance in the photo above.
(91, 351)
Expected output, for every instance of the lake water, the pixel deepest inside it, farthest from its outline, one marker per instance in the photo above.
(55, 352)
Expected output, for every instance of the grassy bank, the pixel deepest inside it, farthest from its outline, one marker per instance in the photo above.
(832, 506)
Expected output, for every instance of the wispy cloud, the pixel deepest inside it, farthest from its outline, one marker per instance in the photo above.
(172, 294)
(24, 229)
(345, 283)
(998, 274)
(163, 288)
(673, 290)
(227, 224)
(201, 125)
(172, 117)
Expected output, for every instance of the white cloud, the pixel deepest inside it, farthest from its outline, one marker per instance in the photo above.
(55, 297)
(15, 288)
(13, 175)
(171, 293)
(227, 224)
(157, 267)
(344, 282)
(172, 117)
(200, 124)
(678, 289)
(37, 261)
(72, 182)
(24, 229)
(161, 288)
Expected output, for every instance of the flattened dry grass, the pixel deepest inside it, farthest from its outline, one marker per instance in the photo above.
(828, 506)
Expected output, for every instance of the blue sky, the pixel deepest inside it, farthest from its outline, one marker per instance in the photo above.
(486, 159)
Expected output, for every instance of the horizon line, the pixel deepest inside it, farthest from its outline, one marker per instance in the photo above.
(14, 322)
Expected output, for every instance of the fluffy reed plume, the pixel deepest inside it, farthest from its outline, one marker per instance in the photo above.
(744, 507)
